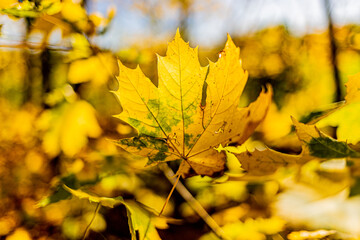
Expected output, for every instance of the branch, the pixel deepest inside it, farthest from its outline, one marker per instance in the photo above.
(194, 204)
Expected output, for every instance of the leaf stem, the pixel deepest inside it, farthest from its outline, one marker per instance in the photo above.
(194, 204)
(92, 220)
(169, 195)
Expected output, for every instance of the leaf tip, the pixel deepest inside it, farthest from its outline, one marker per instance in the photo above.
(228, 37)
(229, 42)
(295, 122)
(177, 35)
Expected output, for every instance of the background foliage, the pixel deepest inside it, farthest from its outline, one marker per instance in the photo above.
(56, 127)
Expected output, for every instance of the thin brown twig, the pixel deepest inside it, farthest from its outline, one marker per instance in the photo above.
(92, 220)
(169, 195)
(194, 204)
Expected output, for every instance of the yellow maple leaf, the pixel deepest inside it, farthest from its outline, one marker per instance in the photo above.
(193, 110)
(346, 118)
(259, 163)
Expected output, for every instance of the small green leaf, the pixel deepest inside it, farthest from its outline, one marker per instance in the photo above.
(141, 221)
(318, 144)
(326, 147)
(59, 193)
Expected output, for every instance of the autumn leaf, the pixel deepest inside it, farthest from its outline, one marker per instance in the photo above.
(259, 163)
(347, 117)
(193, 109)
(71, 130)
(104, 201)
(7, 3)
(92, 69)
(140, 219)
(254, 229)
(315, 144)
(318, 144)
(305, 235)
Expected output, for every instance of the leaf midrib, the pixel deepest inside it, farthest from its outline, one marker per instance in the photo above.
(217, 107)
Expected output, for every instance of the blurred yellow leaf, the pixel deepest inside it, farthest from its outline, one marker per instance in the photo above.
(251, 229)
(73, 12)
(104, 201)
(308, 235)
(266, 162)
(97, 19)
(96, 69)
(68, 128)
(230, 215)
(149, 198)
(7, 3)
(79, 122)
(353, 89)
(7, 224)
(34, 161)
(347, 117)
(19, 234)
(80, 47)
(99, 223)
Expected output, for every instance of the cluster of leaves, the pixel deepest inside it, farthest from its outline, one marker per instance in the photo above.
(201, 106)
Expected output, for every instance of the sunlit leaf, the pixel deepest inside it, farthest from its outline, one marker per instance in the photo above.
(96, 69)
(141, 222)
(320, 145)
(353, 89)
(69, 127)
(73, 12)
(104, 201)
(307, 235)
(194, 108)
(59, 192)
(250, 229)
(347, 117)
(19, 234)
(140, 219)
(7, 3)
(267, 161)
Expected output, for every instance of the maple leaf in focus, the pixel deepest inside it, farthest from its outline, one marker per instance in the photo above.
(193, 109)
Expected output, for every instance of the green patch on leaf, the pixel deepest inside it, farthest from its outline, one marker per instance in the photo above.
(187, 138)
(325, 147)
(159, 157)
(59, 192)
(144, 141)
